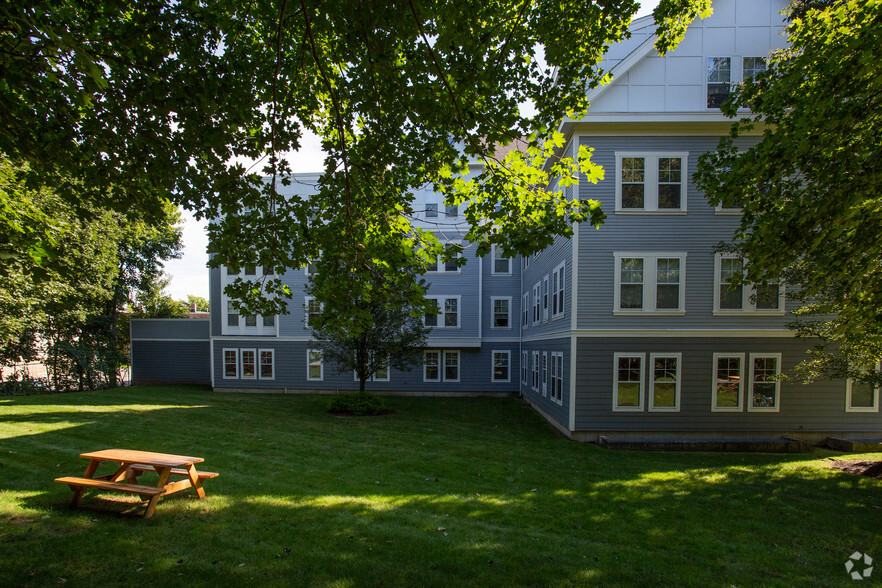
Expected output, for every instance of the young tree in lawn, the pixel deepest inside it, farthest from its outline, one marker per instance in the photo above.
(811, 188)
(418, 89)
(366, 322)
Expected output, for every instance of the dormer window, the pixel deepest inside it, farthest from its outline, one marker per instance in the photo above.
(719, 80)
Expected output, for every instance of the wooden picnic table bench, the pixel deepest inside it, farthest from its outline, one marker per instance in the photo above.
(133, 463)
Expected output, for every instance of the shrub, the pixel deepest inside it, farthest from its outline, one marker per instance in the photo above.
(23, 385)
(359, 404)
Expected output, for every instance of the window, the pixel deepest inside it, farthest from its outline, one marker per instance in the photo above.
(544, 373)
(269, 321)
(249, 359)
(313, 310)
(557, 289)
(861, 396)
(311, 268)
(719, 78)
(431, 366)
(267, 364)
(381, 373)
(628, 382)
(534, 384)
(232, 271)
(446, 315)
(524, 369)
(450, 265)
(527, 261)
(753, 66)
(650, 283)
(452, 211)
(250, 270)
(314, 367)
(250, 320)
(557, 377)
(526, 309)
(664, 385)
(765, 388)
(537, 301)
(451, 366)
(731, 296)
(651, 181)
(545, 295)
(501, 265)
(501, 366)
(728, 382)
(501, 312)
(231, 364)
(232, 315)
(451, 312)
(431, 210)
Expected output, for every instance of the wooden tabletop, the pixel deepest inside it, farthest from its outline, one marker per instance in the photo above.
(145, 457)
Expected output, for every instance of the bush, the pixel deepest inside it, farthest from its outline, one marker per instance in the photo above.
(359, 404)
(23, 385)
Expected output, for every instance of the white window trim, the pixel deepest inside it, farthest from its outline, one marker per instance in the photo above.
(650, 279)
(526, 310)
(748, 292)
(259, 364)
(443, 374)
(241, 368)
(546, 298)
(525, 368)
(493, 271)
(373, 377)
(559, 370)
(650, 185)
(493, 300)
(749, 395)
(615, 390)
(543, 374)
(306, 300)
(321, 366)
(440, 367)
(707, 82)
(241, 328)
(537, 303)
(224, 363)
(651, 371)
(439, 264)
(439, 301)
(493, 353)
(534, 374)
(740, 406)
(562, 290)
(849, 408)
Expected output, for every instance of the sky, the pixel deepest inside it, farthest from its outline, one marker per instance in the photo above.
(189, 274)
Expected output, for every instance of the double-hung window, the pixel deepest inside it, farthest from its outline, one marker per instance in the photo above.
(451, 366)
(557, 377)
(664, 383)
(537, 301)
(544, 373)
(728, 382)
(501, 265)
(315, 370)
(449, 266)
(501, 312)
(525, 310)
(752, 67)
(765, 387)
(432, 366)
(733, 296)
(534, 384)
(440, 365)
(650, 282)
(862, 396)
(313, 308)
(557, 292)
(651, 181)
(446, 315)
(231, 363)
(546, 294)
(501, 366)
(249, 364)
(431, 199)
(524, 368)
(628, 381)
(719, 80)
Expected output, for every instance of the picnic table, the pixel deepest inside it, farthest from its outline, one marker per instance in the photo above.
(131, 464)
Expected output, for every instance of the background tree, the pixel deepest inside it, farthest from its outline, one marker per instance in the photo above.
(164, 99)
(366, 323)
(197, 302)
(811, 188)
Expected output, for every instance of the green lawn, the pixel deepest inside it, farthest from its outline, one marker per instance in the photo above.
(446, 492)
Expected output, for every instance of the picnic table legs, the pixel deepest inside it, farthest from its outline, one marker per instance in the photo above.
(195, 481)
(163, 478)
(90, 471)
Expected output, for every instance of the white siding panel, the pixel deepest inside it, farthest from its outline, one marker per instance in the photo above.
(752, 13)
(647, 98)
(685, 98)
(650, 71)
(613, 100)
(753, 41)
(719, 41)
(691, 45)
(686, 70)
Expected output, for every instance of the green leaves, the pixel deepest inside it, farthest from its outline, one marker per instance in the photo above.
(810, 188)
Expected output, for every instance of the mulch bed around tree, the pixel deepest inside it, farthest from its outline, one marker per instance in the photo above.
(872, 469)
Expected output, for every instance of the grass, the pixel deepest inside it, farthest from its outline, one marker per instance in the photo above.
(446, 492)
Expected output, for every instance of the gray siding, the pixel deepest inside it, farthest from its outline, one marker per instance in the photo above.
(543, 265)
(559, 412)
(169, 329)
(506, 286)
(290, 371)
(803, 408)
(696, 233)
(170, 362)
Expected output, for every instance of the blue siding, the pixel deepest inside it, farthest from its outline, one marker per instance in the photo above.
(168, 362)
(559, 412)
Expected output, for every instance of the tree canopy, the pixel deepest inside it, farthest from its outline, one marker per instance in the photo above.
(139, 100)
(811, 188)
